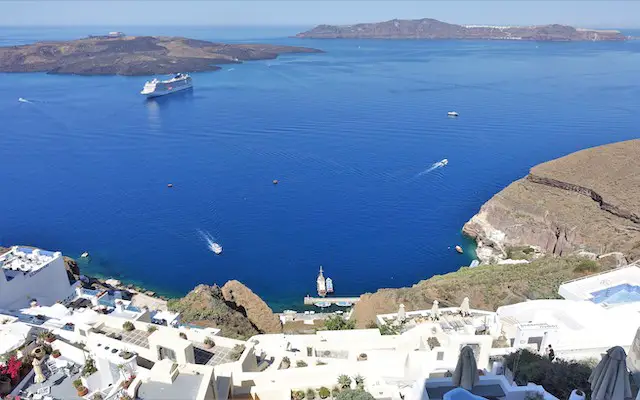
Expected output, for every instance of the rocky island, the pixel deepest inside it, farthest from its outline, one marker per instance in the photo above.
(428, 28)
(133, 55)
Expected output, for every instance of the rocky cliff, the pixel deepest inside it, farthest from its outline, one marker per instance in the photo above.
(133, 55)
(255, 308)
(428, 28)
(587, 202)
(206, 306)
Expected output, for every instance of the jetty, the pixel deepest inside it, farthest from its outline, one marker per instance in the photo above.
(340, 301)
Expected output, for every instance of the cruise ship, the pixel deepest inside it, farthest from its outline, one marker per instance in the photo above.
(155, 87)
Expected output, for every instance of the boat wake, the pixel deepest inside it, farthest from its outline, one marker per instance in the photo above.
(434, 166)
(210, 241)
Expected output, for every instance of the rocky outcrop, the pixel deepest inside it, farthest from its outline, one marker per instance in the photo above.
(428, 28)
(133, 55)
(254, 307)
(588, 201)
(206, 306)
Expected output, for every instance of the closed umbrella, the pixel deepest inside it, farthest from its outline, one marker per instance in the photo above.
(402, 315)
(610, 379)
(466, 373)
(435, 314)
(464, 307)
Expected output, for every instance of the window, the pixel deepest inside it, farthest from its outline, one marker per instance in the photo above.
(440, 356)
(163, 353)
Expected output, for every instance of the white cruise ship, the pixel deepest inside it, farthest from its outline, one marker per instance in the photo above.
(157, 87)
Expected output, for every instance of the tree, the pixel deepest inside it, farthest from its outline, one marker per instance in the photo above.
(324, 392)
(337, 323)
(298, 395)
(357, 394)
(344, 381)
(559, 377)
(311, 394)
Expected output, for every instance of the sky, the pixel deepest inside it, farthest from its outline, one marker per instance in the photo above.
(586, 13)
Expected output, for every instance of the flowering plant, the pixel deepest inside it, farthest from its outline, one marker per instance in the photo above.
(12, 368)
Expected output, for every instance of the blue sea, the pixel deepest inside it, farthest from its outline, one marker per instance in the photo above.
(349, 134)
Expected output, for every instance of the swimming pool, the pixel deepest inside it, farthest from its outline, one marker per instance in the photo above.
(619, 294)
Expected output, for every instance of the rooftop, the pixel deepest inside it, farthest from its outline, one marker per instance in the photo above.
(613, 288)
(26, 259)
(184, 386)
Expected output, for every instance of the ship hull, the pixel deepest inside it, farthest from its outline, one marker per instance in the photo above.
(161, 92)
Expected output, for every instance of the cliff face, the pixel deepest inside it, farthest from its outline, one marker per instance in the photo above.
(257, 311)
(206, 306)
(133, 55)
(588, 201)
(428, 28)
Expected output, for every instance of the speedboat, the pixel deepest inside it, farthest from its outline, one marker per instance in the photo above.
(85, 254)
(452, 114)
(216, 248)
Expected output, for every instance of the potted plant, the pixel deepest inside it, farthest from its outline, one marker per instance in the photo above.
(46, 336)
(128, 326)
(125, 396)
(126, 354)
(12, 370)
(311, 394)
(286, 363)
(183, 335)
(362, 357)
(89, 367)
(151, 328)
(324, 392)
(208, 342)
(80, 388)
(301, 364)
(55, 353)
(5, 383)
(38, 352)
(97, 396)
(344, 381)
(335, 391)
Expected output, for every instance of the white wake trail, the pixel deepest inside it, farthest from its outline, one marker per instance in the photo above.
(434, 166)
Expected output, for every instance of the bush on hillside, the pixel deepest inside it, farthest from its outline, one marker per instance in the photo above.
(337, 323)
(587, 266)
(559, 377)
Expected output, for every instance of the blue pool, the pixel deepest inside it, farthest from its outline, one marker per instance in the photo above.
(619, 294)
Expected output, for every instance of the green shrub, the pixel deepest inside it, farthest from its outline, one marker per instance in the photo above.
(324, 392)
(237, 351)
(128, 326)
(388, 330)
(358, 394)
(151, 328)
(209, 342)
(298, 395)
(587, 266)
(344, 381)
(359, 379)
(301, 364)
(77, 383)
(89, 367)
(311, 394)
(559, 377)
(335, 391)
(337, 323)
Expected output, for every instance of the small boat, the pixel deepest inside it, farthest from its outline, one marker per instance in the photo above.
(459, 249)
(323, 304)
(474, 264)
(452, 114)
(216, 248)
(329, 284)
(344, 304)
(84, 255)
(275, 181)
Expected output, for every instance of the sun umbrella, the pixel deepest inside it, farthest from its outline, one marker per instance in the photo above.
(464, 307)
(466, 373)
(435, 314)
(610, 379)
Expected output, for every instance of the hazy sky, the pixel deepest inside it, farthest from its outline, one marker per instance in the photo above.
(623, 14)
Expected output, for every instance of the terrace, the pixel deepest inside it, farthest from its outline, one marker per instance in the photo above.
(136, 337)
(213, 356)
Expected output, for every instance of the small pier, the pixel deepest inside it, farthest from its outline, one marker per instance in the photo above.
(312, 301)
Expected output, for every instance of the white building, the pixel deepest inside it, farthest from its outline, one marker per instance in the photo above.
(28, 274)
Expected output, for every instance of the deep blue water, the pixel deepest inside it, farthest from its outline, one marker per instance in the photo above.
(85, 165)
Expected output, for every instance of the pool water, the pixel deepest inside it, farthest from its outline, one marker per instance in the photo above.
(619, 294)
